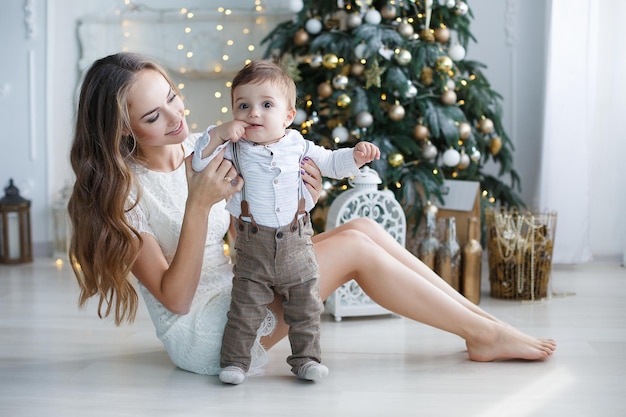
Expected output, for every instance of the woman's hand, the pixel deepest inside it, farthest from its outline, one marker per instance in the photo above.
(312, 177)
(218, 181)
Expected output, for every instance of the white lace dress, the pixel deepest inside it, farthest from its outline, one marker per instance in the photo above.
(193, 341)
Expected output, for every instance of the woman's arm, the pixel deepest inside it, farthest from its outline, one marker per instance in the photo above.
(174, 285)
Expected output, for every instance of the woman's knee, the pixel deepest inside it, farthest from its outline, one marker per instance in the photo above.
(363, 224)
(355, 237)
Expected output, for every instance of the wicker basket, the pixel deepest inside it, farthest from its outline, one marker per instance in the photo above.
(519, 247)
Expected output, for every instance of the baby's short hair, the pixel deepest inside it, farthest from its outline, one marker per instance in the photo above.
(259, 71)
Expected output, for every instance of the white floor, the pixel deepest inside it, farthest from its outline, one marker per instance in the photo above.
(56, 360)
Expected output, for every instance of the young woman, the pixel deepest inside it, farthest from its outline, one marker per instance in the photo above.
(138, 209)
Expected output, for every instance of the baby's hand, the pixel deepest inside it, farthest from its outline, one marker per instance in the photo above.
(365, 152)
(230, 131)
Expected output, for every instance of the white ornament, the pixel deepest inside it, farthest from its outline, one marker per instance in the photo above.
(462, 9)
(313, 26)
(296, 5)
(340, 134)
(360, 51)
(411, 91)
(451, 157)
(373, 16)
(450, 4)
(385, 52)
(456, 52)
(429, 151)
(300, 117)
(450, 84)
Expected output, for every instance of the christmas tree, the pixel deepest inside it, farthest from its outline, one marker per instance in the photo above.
(393, 72)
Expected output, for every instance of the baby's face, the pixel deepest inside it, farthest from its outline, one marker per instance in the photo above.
(265, 109)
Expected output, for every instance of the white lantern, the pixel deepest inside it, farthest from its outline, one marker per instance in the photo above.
(363, 200)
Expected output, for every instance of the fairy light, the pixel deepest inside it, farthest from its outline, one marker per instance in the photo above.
(192, 51)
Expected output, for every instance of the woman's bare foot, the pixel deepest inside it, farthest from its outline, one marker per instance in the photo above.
(503, 342)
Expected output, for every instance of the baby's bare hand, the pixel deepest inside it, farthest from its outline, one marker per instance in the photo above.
(231, 131)
(365, 152)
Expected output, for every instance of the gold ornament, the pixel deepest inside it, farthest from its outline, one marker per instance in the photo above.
(427, 35)
(444, 64)
(448, 97)
(465, 130)
(396, 160)
(333, 22)
(421, 132)
(442, 34)
(486, 125)
(343, 100)
(396, 112)
(373, 74)
(324, 90)
(388, 11)
(406, 30)
(301, 37)
(403, 57)
(430, 208)
(330, 61)
(427, 75)
(495, 144)
(290, 65)
(357, 69)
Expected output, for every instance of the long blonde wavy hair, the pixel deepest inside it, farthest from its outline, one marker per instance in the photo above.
(104, 246)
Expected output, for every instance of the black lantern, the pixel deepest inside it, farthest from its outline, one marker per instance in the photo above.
(15, 234)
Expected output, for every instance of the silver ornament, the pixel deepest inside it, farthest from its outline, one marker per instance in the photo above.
(429, 151)
(316, 61)
(475, 156)
(403, 57)
(364, 119)
(340, 82)
(354, 20)
(406, 30)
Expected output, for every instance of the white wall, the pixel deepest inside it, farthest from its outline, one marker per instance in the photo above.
(23, 153)
(510, 37)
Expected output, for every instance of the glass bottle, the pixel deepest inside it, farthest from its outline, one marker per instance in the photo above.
(472, 262)
(448, 265)
(427, 249)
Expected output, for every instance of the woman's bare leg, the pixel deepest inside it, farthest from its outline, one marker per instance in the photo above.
(383, 239)
(387, 276)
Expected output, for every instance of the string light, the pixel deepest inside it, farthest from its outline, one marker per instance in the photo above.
(191, 33)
